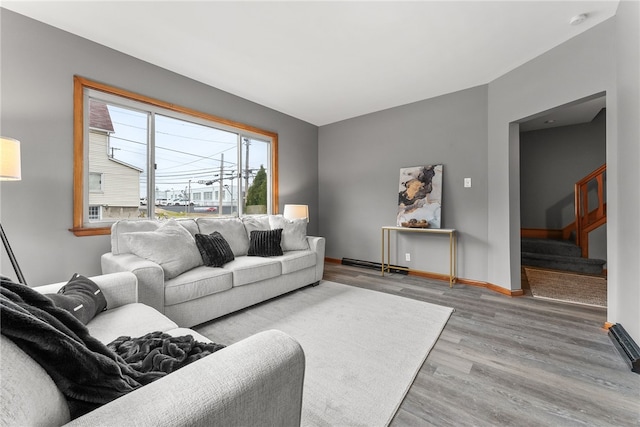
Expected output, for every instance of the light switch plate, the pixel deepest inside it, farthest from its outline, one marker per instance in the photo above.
(467, 183)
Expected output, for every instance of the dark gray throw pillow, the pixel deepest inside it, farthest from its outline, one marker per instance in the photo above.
(214, 249)
(81, 297)
(265, 243)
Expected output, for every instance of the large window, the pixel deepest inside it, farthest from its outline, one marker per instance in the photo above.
(137, 157)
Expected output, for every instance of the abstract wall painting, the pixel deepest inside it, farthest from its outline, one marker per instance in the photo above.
(420, 196)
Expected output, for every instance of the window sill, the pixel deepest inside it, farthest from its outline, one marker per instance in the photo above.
(96, 231)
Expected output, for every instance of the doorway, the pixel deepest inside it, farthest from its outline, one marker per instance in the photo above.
(557, 149)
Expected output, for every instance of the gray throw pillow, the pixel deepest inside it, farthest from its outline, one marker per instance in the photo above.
(294, 232)
(265, 243)
(215, 250)
(171, 246)
(81, 297)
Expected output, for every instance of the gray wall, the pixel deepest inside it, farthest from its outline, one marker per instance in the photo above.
(581, 67)
(38, 63)
(360, 161)
(551, 162)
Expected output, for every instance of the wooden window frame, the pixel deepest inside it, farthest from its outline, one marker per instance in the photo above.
(80, 84)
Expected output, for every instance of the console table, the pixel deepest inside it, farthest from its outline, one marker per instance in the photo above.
(453, 242)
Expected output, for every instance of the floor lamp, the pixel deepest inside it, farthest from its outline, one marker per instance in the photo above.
(10, 171)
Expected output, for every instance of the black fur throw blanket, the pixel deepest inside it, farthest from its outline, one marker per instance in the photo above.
(86, 371)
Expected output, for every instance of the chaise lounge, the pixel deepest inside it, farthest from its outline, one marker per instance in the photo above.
(257, 381)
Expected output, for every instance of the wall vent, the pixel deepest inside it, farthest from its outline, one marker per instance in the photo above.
(372, 265)
(626, 346)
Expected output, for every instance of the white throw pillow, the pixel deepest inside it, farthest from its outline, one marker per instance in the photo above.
(171, 246)
(255, 223)
(232, 229)
(294, 232)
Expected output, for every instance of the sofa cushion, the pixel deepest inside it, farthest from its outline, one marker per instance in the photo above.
(190, 224)
(81, 297)
(231, 229)
(297, 260)
(255, 222)
(132, 320)
(171, 246)
(265, 243)
(29, 395)
(248, 269)
(196, 283)
(214, 249)
(294, 232)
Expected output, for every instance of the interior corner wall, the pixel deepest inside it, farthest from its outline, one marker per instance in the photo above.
(624, 300)
(360, 161)
(580, 67)
(38, 63)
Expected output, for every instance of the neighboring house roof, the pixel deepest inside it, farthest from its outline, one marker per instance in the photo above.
(126, 164)
(99, 117)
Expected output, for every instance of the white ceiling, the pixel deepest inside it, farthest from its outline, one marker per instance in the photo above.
(327, 61)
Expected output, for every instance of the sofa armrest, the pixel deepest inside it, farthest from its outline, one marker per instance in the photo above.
(317, 244)
(150, 276)
(118, 288)
(255, 382)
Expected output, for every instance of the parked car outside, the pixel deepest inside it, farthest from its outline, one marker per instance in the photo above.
(205, 209)
(180, 202)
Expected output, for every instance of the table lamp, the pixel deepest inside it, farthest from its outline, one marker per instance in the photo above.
(296, 212)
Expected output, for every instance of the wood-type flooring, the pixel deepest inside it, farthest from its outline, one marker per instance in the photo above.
(510, 361)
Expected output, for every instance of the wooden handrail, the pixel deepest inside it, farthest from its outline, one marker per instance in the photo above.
(588, 221)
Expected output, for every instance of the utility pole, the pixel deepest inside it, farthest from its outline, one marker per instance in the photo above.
(246, 170)
(233, 179)
(220, 183)
(188, 203)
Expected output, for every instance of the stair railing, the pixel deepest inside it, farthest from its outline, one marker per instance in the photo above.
(587, 221)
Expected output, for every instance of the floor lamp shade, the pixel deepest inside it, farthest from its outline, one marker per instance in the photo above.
(10, 171)
(296, 212)
(10, 159)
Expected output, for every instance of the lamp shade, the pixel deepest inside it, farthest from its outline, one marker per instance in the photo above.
(9, 159)
(296, 212)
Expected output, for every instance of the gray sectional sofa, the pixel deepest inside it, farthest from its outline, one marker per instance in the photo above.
(256, 381)
(173, 279)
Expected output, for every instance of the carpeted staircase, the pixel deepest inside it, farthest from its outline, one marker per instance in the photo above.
(558, 255)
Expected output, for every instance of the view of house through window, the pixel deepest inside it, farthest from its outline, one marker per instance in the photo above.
(142, 161)
(117, 161)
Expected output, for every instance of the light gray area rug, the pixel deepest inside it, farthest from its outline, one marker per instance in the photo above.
(363, 348)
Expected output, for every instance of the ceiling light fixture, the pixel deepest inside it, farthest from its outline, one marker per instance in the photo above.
(578, 19)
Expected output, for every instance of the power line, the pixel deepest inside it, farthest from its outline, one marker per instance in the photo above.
(205, 128)
(199, 156)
